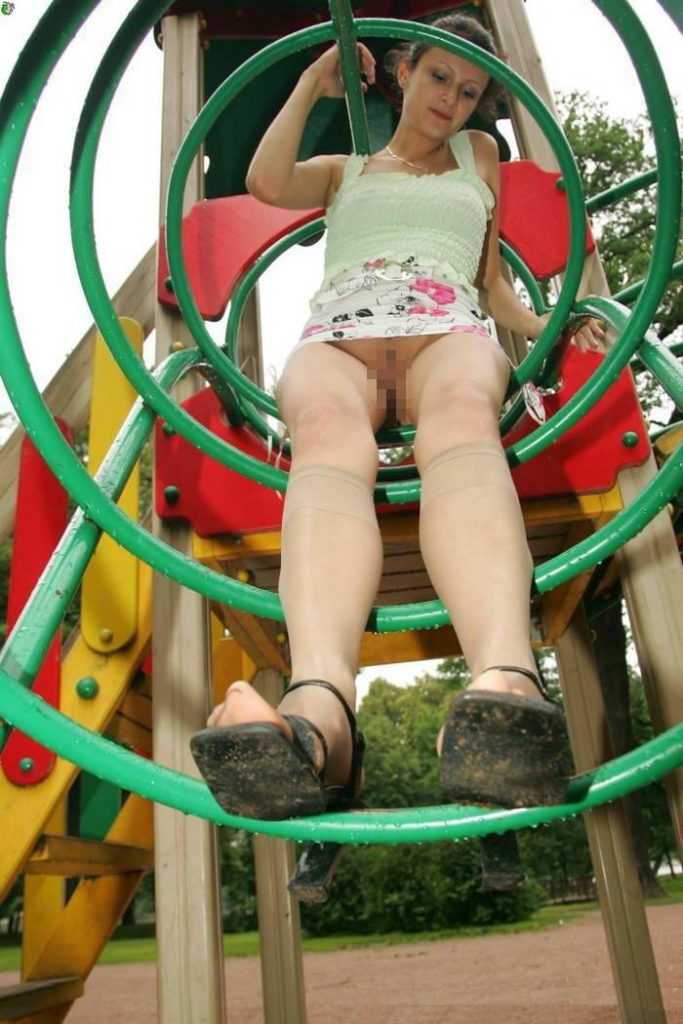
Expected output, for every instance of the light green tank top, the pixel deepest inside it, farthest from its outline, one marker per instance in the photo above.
(440, 219)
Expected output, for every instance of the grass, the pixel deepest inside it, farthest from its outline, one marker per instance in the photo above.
(127, 950)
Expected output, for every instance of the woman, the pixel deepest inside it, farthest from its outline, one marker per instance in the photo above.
(412, 243)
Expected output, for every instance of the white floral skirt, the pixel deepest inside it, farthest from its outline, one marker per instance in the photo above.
(383, 299)
(387, 299)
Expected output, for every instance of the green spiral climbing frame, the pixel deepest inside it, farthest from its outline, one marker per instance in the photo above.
(22, 655)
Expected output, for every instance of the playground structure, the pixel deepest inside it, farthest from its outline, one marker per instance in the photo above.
(594, 494)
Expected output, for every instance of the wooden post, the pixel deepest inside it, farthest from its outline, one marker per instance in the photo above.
(284, 995)
(190, 979)
(650, 567)
(616, 875)
(620, 894)
(652, 579)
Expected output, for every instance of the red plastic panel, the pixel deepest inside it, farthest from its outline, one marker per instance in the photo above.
(217, 500)
(587, 458)
(534, 217)
(268, 21)
(221, 239)
(212, 497)
(41, 512)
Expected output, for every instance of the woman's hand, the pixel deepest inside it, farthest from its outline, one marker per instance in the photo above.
(586, 332)
(327, 71)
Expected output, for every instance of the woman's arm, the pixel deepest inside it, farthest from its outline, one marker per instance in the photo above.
(274, 176)
(498, 298)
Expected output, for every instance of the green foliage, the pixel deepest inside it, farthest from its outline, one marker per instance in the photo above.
(610, 150)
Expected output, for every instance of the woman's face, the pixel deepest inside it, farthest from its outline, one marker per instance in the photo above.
(440, 92)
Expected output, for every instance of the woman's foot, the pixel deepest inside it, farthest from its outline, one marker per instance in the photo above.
(243, 705)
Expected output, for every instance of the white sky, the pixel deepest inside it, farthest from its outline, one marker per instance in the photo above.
(578, 48)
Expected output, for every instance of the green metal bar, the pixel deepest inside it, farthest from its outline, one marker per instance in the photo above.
(104, 759)
(342, 18)
(625, 525)
(663, 365)
(391, 29)
(624, 188)
(49, 441)
(676, 350)
(519, 267)
(673, 9)
(42, 615)
(627, 295)
(26, 711)
(118, 54)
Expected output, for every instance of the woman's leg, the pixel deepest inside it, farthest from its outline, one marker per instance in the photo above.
(331, 546)
(471, 529)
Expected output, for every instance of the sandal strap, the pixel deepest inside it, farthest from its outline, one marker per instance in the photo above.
(350, 791)
(533, 676)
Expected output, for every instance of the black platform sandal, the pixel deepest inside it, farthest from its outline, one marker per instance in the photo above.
(504, 749)
(253, 770)
(510, 751)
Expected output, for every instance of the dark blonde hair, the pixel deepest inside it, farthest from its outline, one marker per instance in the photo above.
(465, 27)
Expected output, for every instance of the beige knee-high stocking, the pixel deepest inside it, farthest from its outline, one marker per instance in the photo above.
(331, 565)
(475, 550)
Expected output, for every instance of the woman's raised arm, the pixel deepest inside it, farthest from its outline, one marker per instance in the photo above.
(274, 176)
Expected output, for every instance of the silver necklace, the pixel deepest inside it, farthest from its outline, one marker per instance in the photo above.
(409, 163)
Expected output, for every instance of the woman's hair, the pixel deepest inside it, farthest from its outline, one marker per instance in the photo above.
(465, 27)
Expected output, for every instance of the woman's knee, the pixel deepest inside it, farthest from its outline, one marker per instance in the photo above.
(333, 432)
(458, 412)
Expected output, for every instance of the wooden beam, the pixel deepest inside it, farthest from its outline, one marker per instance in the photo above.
(190, 977)
(31, 997)
(70, 857)
(68, 393)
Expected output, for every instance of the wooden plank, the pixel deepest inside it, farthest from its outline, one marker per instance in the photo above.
(70, 857)
(109, 586)
(24, 812)
(558, 605)
(418, 645)
(97, 904)
(652, 581)
(614, 863)
(190, 977)
(28, 998)
(68, 393)
(131, 734)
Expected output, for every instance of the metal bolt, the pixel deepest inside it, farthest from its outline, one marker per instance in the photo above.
(87, 688)
(26, 765)
(106, 635)
(172, 494)
(629, 439)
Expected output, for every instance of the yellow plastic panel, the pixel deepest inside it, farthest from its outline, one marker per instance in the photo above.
(109, 591)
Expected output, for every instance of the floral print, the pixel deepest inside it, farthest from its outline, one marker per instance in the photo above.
(388, 298)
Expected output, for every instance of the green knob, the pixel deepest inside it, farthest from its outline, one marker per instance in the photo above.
(87, 688)
(172, 494)
(168, 284)
(560, 185)
(168, 430)
(629, 439)
(26, 765)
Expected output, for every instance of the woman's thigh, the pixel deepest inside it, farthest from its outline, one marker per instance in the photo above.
(459, 365)
(328, 400)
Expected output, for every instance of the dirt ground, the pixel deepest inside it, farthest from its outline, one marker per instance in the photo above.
(557, 976)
